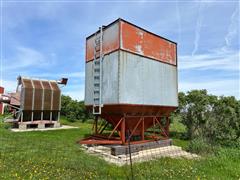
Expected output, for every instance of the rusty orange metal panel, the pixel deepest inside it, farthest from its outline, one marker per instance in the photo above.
(141, 42)
(111, 41)
(1, 90)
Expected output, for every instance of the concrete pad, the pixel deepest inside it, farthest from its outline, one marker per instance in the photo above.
(141, 156)
(45, 129)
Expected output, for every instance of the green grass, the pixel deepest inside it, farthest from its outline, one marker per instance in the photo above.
(56, 155)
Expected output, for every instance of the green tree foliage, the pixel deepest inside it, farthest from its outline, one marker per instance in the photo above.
(216, 119)
(74, 110)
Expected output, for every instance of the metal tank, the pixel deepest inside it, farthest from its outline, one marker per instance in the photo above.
(1, 104)
(131, 82)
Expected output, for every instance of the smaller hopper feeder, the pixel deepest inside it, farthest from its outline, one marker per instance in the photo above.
(131, 84)
(35, 104)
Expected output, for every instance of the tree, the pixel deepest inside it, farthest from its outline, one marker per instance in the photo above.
(216, 119)
(73, 109)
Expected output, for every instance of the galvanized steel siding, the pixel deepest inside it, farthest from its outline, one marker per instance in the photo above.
(146, 81)
(132, 79)
(109, 80)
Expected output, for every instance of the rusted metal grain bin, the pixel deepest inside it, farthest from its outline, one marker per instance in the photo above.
(137, 79)
(40, 101)
(1, 104)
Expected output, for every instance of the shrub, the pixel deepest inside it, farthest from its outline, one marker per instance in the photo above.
(200, 146)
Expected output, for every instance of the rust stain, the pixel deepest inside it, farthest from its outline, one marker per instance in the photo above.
(144, 43)
(133, 39)
(111, 42)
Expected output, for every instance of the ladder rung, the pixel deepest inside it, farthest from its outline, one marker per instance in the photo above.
(97, 38)
(97, 42)
(97, 72)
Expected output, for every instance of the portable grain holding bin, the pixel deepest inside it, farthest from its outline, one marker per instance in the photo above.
(131, 82)
(1, 104)
(36, 103)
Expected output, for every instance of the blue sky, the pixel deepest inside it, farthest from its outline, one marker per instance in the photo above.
(47, 40)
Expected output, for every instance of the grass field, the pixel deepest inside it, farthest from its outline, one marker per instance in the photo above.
(56, 155)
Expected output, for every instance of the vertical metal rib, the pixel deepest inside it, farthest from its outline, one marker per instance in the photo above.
(51, 101)
(33, 97)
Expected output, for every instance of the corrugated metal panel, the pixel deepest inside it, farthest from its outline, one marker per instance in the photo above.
(56, 96)
(38, 93)
(110, 41)
(141, 42)
(88, 99)
(109, 80)
(47, 95)
(145, 81)
(27, 91)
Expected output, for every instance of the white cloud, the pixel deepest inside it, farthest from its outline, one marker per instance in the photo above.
(9, 86)
(227, 87)
(76, 93)
(50, 75)
(218, 60)
(198, 29)
(26, 57)
(233, 27)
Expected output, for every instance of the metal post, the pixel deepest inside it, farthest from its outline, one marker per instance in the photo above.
(167, 126)
(58, 116)
(154, 126)
(41, 115)
(32, 117)
(21, 117)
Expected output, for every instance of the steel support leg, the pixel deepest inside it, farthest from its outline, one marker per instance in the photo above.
(142, 133)
(123, 131)
(96, 125)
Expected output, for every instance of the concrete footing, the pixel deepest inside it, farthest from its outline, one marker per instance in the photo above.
(22, 126)
(140, 156)
(56, 125)
(38, 125)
